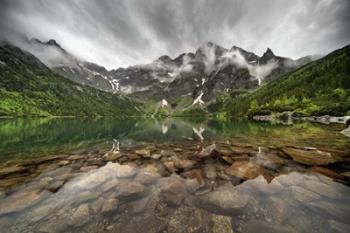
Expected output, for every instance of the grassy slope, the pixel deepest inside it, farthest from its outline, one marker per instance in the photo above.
(319, 88)
(29, 88)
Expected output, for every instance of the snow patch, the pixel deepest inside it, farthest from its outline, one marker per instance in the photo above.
(164, 103)
(198, 100)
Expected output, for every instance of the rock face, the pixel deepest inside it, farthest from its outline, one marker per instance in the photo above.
(225, 199)
(309, 156)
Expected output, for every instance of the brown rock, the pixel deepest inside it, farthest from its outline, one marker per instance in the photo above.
(111, 184)
(325, 171)
(7, 171)
(131, 189)
(224, 199)
(80, 216)
(227, 159)
(209, 151)
(222, 224)
(88, 168)
(124, 171)
(21, 200)
(194, 174)
(237, 149)
(138, 206)
(156, 156)
(247, 170)
(63, 163)
(192, 185)
(50, 158)
(185, 164)
(76, 157)
(146, 153)
(210, 171)
(110, 205)
(96, 205)
(147, 178)
(170, 166)
(113, 155)
(133, 156)
(309, 156)
(55, 186)
(167, 153)
(173, 191)
(10, 182)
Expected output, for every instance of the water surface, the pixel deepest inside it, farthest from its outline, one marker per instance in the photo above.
(172, 175)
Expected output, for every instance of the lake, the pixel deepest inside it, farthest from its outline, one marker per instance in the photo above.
(173, 175)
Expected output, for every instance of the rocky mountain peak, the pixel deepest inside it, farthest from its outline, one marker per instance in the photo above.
(53, 43)
(268, 53)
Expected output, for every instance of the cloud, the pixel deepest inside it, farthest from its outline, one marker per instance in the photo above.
(128, 32)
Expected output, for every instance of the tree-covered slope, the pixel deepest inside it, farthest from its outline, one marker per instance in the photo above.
(29, 88)
(319, 88)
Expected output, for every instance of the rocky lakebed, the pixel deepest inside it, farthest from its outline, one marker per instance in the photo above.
(220, 186)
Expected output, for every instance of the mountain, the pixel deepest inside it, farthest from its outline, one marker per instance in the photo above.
(70, 67)
(29, 88)
(320, 88)
(207, 73)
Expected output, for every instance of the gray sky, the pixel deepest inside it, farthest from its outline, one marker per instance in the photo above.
(121, 33)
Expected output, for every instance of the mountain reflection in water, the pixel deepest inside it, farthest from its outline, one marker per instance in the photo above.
(171, 175)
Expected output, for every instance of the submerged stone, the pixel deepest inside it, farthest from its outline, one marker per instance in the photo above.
(173, 191)
(247, 170)
(303, 195)
(7, 171)
(221, 224)
(131, 189)
(225, 199)
(309, 156)
(21, 200)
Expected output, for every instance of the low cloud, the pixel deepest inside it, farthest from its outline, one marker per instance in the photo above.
(128, 32)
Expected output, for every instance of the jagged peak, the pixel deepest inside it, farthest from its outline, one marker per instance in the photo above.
(269, 53)
(52, 42)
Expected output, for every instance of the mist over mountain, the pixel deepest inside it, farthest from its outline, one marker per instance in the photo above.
(209, 71)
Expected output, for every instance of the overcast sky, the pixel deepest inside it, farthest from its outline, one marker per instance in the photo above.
(120, 33)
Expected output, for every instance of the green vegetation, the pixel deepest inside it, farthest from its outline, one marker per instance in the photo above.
(319, 88)
(29, 88)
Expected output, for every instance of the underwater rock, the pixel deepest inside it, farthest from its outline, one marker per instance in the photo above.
(7, 171)
(303, 195)
(309, 156)
(222, 224)
(173, 191)
(207, 152)
(130, 190)
(185, 164)
(146, 153)
(247, 170)
(110, 205)
(21, 200)
(225, 199)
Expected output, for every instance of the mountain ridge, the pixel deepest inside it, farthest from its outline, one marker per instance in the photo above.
(30, 88)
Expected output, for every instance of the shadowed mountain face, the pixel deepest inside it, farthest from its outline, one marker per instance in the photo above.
(204, 74)
(30, 88)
